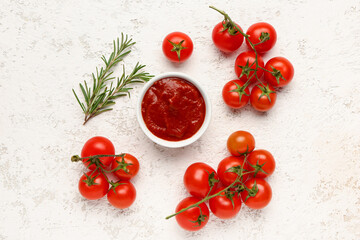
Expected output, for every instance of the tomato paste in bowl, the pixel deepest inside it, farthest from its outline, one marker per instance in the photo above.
(174, 110)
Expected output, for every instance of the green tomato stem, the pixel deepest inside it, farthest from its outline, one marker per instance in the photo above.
(95, 160)
(76, 158)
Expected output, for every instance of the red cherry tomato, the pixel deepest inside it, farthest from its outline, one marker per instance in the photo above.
(93, 185)
(235, 94)
(198, 179)
(227, 38)
(122, 196)
(262, 162)
(228, 170)
(128, 167)
(244, 63)
(177, 47)
(262, 98)
(240, 143)
(282, 72)
(98, 146)
(260, 196)
(226, 205)
(259, 31)
(192, 219)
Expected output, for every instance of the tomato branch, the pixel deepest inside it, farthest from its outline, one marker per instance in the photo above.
(237, 180)
(204, 199)
(95, 159)
(76, 158)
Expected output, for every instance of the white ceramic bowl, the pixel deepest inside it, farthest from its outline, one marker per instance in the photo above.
(185, 142)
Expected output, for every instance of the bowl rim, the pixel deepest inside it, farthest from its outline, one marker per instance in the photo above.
(185, 142)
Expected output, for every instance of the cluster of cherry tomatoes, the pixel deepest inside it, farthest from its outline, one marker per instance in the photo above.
(98, 155)
(240, 178)
(250, 69)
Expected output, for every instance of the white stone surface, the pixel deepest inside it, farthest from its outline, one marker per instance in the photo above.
(48, 47)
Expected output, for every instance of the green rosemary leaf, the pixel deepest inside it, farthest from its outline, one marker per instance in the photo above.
(98, 100)
(88, 90)
(119, 95)
(123, 55)
(81, 104)
(101, 111)
(109, 103)
(104, 60)
(124, 89)
(84, 93)
(107, 76)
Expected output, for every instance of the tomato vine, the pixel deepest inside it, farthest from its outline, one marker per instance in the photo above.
(95, 160)
(241, 172)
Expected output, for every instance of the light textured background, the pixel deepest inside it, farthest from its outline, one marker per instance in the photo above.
(48, 47)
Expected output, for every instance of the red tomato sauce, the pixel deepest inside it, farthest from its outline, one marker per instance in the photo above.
(173, 109)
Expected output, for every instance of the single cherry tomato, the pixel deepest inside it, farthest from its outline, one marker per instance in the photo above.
(192, 219)
(93, 185)
(226, 205)
(262, 32)
(128, 167)
(98, 146)
(259, 194)
(226, 37)
(240, 143)
(281, 72)
(177, 47)
(123, 195)
(229, 169)
(262, 162)
(236, 94)
(199, 179)
(244, 66)
(262, 98)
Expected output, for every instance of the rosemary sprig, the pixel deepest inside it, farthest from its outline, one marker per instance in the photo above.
(100, 97)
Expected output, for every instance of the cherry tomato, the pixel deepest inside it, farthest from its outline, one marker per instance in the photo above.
(123, 195)
(261, 31)
(177, 47)
(127, 167)
(244, 63)
(93, 185)
(260, 195)
(235, 94)
(282, 72)
(262, 98)
(98, 146)
(198, 179)
(226, 37)
(192, 219)
(262, 162)
(229, 169)
(240, 143)
(226, 205)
